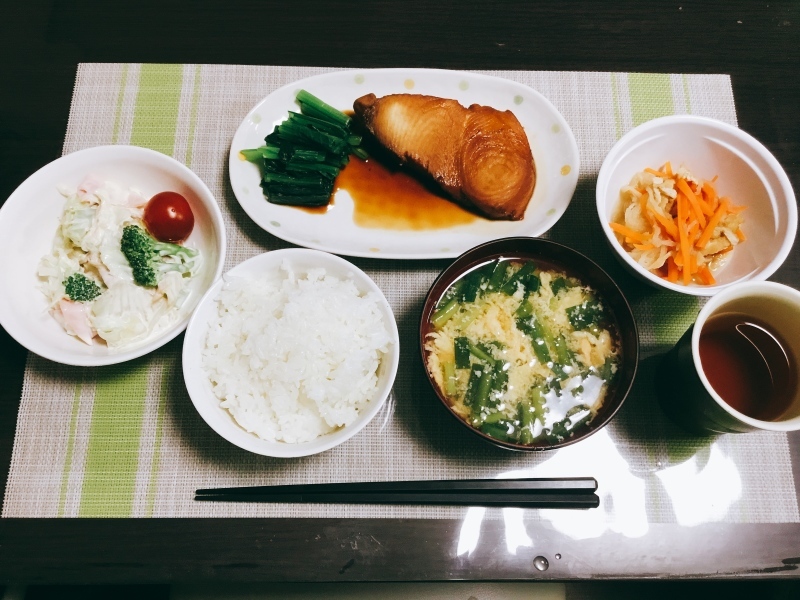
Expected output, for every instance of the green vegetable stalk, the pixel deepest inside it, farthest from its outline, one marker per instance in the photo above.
(461, 348)
(535, 329)
(304, 154)
(521, 277)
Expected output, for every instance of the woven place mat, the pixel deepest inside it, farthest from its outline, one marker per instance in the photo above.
(125, 440)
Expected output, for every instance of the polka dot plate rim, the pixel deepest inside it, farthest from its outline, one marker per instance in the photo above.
(552, 142)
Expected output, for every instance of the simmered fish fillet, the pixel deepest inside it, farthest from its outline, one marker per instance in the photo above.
(480, 156)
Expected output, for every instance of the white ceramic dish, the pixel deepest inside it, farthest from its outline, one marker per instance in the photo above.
(28, 223)
(199, 386)
(554, 150)
(747, 171)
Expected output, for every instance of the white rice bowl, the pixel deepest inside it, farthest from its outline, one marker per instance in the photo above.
(298, 348)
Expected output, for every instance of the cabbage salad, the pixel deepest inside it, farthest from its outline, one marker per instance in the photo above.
(90, 276)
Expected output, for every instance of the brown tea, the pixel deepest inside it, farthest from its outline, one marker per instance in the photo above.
(749, 365)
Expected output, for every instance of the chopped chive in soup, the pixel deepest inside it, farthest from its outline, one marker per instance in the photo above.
(523, 353)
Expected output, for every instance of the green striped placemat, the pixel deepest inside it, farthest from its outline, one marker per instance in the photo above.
(125, 441)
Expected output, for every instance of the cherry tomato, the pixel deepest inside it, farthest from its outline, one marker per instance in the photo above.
(168, 217)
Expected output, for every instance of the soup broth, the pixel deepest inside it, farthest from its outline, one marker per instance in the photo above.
(523, 354)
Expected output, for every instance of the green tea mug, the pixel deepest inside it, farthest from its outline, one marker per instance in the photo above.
(684, 390)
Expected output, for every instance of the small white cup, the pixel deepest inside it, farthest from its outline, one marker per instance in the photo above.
(685, 392)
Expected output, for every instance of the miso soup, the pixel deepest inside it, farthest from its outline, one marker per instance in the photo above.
(523, 354)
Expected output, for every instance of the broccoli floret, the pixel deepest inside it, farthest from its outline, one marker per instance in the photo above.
(150, 259)
(80, 288)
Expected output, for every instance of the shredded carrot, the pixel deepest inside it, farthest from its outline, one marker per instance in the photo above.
(694, 232)
(672, 270)
(667, 224)
(678, 219)
(711, 195)
(712, 223)
(692, 268)
(684, 240)
(683, 186)
(628, 232)
(657, 173)
(705, 275)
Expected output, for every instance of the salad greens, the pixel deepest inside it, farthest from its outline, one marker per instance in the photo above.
(97, 292)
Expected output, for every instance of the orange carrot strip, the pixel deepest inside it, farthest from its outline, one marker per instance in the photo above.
(702, 201)
(628, 232)
(740, 234)
(656, 173)
(712, 223)
(667, 224)
(693, 233)
(705, 275)
(672, 270)
(692, 262)
(677, 229)
(684, 241)
(695, 204)
(736, 209)
(667, 168)
(713, 200)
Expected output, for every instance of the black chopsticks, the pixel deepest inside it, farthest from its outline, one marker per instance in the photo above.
(570, 492)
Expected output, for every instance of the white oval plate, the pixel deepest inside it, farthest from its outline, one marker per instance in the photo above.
(555, 154)
(30, 217)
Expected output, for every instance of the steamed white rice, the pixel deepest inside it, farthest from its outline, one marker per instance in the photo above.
(294, 356)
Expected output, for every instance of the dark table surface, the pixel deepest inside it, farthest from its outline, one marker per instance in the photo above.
(757, 43)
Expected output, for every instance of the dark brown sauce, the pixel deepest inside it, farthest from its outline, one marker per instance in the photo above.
(318, 210)
(749, 365)
(386, 198)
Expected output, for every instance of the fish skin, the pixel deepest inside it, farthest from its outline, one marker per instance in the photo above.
(479, 156)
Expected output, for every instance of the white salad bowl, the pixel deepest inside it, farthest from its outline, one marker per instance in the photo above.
(747, 172)
(30, 217)
(197, 380)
